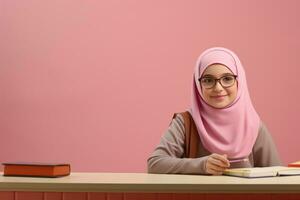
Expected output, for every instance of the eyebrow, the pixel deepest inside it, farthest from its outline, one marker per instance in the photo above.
(210, 75)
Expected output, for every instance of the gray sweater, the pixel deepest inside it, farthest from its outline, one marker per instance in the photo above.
(167, 157)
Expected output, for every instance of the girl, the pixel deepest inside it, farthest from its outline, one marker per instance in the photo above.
(229, 132)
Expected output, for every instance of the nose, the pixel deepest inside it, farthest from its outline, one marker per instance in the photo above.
(218, 87)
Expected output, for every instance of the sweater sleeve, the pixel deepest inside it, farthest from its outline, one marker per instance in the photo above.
(167, 157)
(264, 151)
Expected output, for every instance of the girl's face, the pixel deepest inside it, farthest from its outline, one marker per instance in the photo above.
(218, 93)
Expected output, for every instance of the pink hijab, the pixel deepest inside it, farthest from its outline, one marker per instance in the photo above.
(231, 130)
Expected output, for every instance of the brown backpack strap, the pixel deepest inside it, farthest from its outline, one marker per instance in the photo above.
(192, 139)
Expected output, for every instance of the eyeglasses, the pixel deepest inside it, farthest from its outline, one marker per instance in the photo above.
(210, 82)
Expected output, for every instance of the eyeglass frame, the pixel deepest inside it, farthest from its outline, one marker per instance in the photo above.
(219, 80)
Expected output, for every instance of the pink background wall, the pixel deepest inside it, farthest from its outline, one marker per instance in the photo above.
(95, 83)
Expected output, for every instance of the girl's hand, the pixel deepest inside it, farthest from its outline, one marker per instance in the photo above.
(216, 164)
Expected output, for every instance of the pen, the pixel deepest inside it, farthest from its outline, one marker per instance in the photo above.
(238, 160)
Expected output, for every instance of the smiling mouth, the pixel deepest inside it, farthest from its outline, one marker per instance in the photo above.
(219, 96)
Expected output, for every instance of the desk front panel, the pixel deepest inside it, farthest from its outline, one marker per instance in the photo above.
(140, 196)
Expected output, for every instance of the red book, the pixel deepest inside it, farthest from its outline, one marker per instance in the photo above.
(294, 164)
(36, 169)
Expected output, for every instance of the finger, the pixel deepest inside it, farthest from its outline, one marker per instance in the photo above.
(216, 171)
(218, 163)
(213, 172)
(227, 160)
(210, 165)
(221, 158)
(216, 168)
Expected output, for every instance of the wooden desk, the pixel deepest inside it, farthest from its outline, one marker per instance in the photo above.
(125, 185)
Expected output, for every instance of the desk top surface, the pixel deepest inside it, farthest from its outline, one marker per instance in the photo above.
(143, 182)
